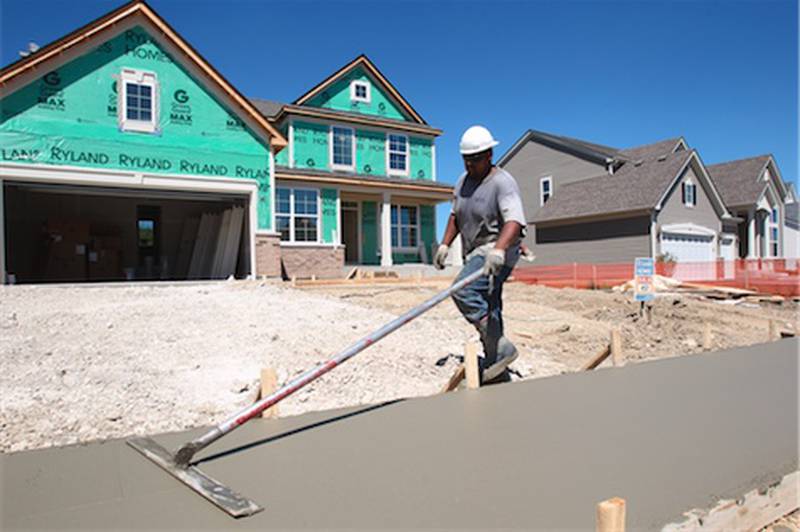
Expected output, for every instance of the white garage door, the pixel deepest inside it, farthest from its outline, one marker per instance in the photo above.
(694, 254)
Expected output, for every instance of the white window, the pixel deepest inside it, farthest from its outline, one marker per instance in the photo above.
(545, 189)
(138, 108)
(342, 148)
(405, 226)
(689, 193)
(297, 214)
(773, 232)
(397, 153)
(360, 91)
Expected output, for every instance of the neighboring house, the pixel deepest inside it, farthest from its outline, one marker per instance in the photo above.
(119, 139)
(363, 161)
(592, 203)
(791, 228)
(754, 191)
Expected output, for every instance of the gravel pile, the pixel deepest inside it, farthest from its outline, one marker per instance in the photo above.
(85, 363)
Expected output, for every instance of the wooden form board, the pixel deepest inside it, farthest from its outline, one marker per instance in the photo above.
(755, 510)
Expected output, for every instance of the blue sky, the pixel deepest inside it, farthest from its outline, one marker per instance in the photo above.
(723, 74)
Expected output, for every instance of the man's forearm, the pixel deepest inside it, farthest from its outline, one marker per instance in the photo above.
(508, 235)
(451, 231)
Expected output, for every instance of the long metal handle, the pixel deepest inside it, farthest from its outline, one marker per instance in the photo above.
(185, 454)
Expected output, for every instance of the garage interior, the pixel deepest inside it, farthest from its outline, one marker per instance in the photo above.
(61, 233)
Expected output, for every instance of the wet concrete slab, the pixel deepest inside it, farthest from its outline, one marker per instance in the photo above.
(667, 436)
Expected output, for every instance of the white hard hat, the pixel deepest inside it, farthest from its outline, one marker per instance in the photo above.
(475, 140)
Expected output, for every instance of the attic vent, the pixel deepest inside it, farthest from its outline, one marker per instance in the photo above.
(662, 157)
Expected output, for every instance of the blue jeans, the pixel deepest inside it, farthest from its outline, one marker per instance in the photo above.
(481, 306)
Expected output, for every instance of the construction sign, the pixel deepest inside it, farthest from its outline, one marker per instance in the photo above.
(643, 271)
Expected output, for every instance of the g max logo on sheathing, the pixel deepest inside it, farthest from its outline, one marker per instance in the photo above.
(180, 111)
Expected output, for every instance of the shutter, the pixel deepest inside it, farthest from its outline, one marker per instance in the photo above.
(694, 194)
(683, 193)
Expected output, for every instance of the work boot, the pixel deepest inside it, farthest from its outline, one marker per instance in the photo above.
(506, 354)
(498, 353)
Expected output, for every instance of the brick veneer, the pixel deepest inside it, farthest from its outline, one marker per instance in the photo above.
(268, 255)
(305, 261)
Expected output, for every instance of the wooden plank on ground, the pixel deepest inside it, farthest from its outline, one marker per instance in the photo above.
(597, 359)
(756, 510)
(723, 289)
(455, 379)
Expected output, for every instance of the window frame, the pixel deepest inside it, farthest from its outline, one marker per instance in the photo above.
(773, 226)
(396, 229)
(292, 215)
(549, 180)
(389, 170)
(140, 78)
(687, 186)
(331, 150)
(353, 92)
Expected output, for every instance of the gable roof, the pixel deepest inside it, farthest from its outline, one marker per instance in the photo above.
(633, 188)
(16, 74)
(738, 181)
(647, 152)
(362, 61)
(588, 150)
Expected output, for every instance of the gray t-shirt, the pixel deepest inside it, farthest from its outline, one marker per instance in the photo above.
(482, 207)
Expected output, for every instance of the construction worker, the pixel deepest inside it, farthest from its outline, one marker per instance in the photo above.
(487, 212)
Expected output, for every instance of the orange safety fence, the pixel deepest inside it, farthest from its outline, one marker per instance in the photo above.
(770, 276)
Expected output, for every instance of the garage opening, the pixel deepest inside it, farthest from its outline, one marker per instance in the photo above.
(60, 233)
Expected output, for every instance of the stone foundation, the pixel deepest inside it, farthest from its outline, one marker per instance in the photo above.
(305, 261)
(268, 255)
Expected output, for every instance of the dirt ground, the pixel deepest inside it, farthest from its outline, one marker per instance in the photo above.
(79, 363)
(557, 330)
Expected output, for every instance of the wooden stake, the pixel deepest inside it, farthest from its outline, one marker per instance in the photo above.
(707, 336)
(294, 281)
(471, 365)
(616, 347)
(611, 515)
(269, 383)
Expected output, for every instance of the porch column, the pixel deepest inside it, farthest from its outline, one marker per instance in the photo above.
(386, 230)
(2, 237)
(751, 236)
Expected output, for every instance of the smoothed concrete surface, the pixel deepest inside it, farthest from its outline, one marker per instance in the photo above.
(667, 436)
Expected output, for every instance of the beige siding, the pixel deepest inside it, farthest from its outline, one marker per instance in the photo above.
(620, 240)
(534, 161)
(674, 211)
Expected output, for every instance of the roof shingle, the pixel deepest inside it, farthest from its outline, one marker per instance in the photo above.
(738, 181)
(633, 187)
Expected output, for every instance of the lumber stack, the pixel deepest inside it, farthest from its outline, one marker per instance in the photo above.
(215, 252)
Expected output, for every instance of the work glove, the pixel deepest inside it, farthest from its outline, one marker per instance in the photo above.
(495, 260)
(441, 256)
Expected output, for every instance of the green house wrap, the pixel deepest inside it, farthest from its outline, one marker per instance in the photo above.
(310, 145)
(371, 152)
(69, 117)
(330, 215)
(337, 97)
